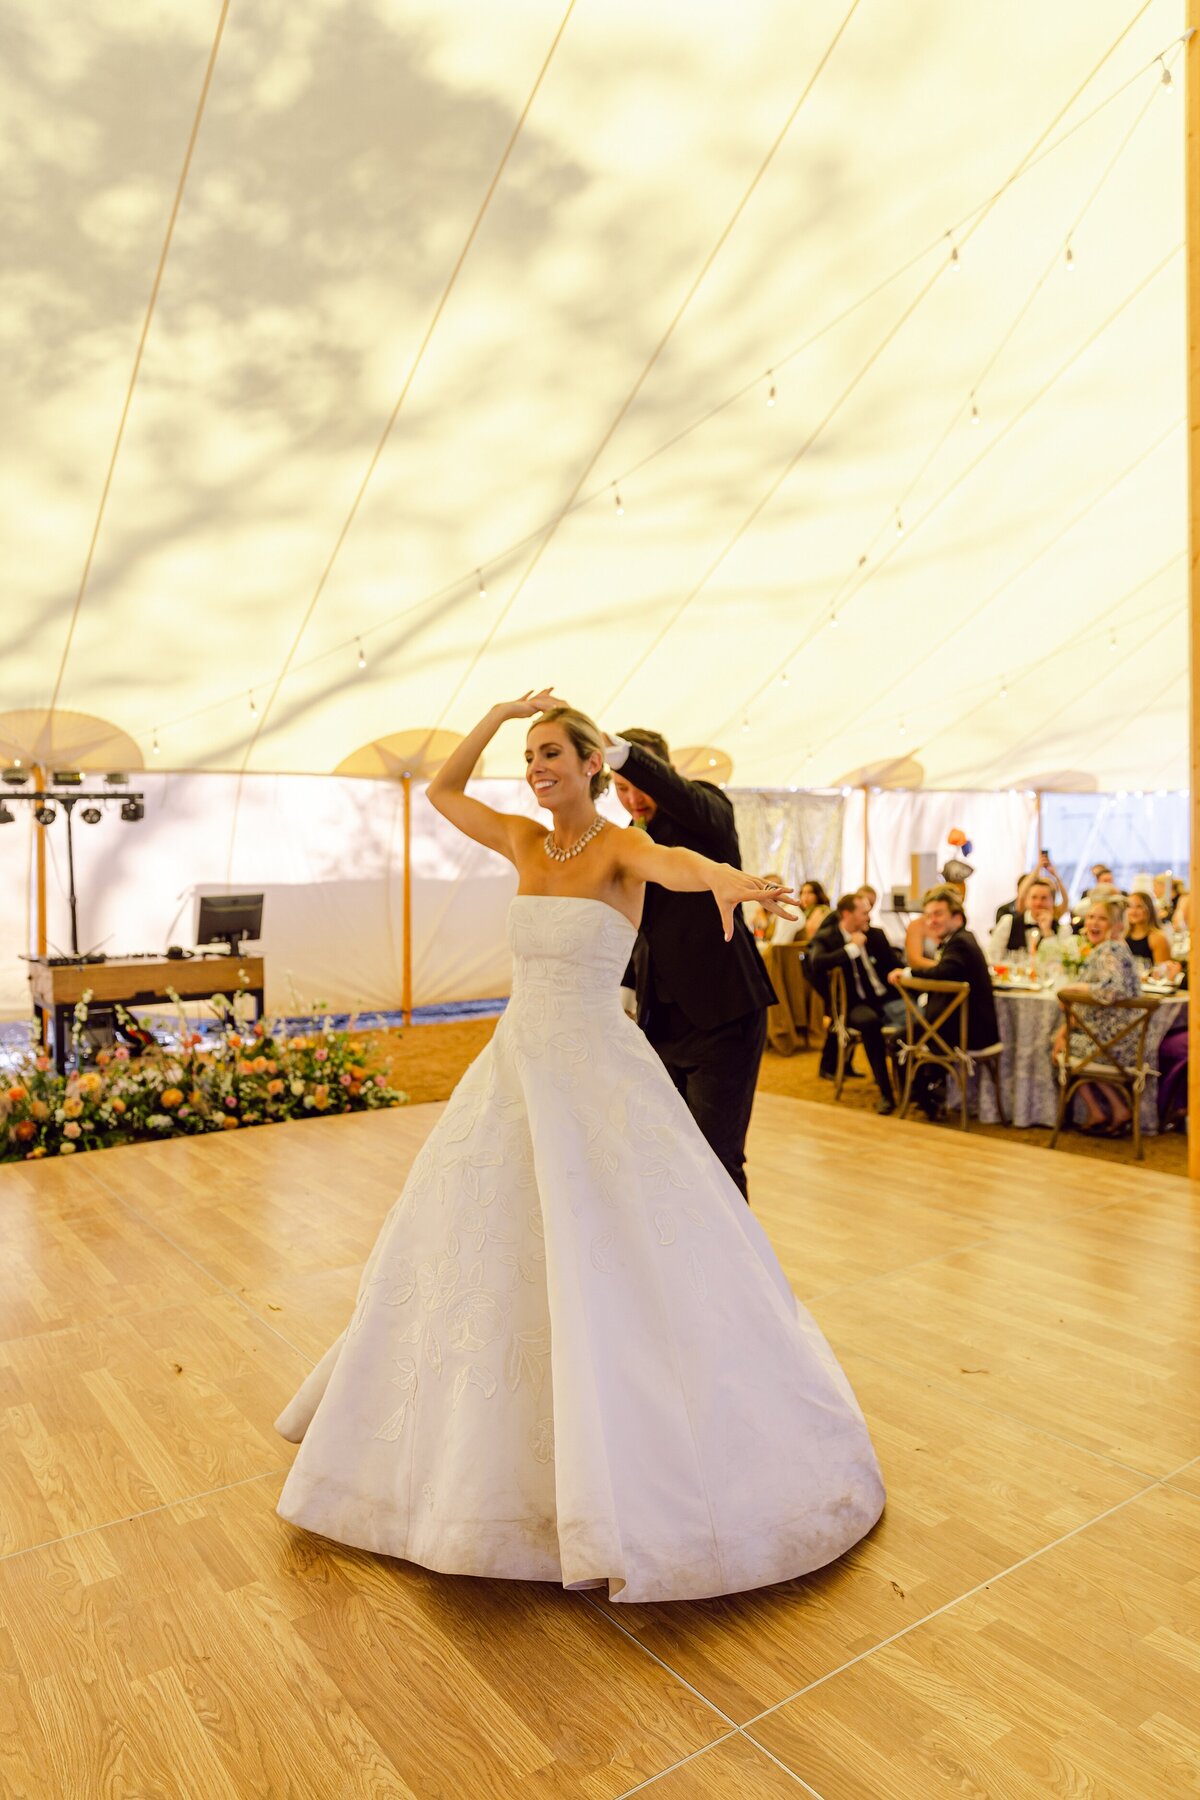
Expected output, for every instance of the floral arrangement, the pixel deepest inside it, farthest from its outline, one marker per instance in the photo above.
(243, 1074)
(1073, 952)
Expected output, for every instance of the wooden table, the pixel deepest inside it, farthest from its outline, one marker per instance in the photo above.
(796, 1021)
(133, 981)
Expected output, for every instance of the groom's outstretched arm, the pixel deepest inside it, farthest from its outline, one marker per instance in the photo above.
(695, 805)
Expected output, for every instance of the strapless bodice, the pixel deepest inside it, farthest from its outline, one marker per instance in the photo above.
(567, 948)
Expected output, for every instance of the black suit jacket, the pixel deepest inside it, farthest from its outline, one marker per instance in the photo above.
(681, 956)
(962, 960)
(827, 952)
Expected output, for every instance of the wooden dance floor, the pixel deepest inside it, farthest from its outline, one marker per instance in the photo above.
(1022, 1328)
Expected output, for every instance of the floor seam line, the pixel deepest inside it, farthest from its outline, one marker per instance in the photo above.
(69, 1537)
(681, 1764)
(605, 1612)
(949, 1605)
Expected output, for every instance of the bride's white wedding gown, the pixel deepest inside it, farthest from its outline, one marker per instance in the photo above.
(574, 1355)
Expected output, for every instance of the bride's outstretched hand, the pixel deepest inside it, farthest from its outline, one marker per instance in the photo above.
(530, 704)
(732, 887)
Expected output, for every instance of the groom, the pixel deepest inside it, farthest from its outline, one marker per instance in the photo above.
(702, 1003)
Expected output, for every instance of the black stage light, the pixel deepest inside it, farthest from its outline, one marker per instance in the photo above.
(132, 810)
(67, 778)
(116, 780)
(91, 815)
(16, 777)
(45, 815)
(7, 815)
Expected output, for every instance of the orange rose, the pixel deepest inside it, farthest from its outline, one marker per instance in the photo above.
(17, 1093)
(117, 1104)
(90, 1083)
(195, 1097)
(259, 1065)
(24, 1131)
(103, 1059)
(229, 1123)
(272, 1067)
(72, 1108)
(38, 1150)
(298, 1043)
(275, 1087)
(42, 1064)
(245, 1068)
(355, 1073)
(39, 1109)
(172, 1096)
(235, 1040)
(354, 1090)
(321, 1097)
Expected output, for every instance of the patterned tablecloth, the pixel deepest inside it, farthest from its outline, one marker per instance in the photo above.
(1028, 1022)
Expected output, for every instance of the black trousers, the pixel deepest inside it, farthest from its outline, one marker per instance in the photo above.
(866, 1019)
(716, 1072)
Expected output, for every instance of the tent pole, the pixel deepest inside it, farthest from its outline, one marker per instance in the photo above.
(39, 782)
(406, 952)
(1191, 85)
(1040, 839)
(866, 809)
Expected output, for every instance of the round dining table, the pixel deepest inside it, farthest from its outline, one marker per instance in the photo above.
(1029, 1019)
(797, 1020)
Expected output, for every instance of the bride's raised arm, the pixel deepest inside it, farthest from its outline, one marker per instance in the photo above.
(447, 791)
(687, 872)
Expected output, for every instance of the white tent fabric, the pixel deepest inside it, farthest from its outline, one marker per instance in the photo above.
(338, 324)
(326, 852)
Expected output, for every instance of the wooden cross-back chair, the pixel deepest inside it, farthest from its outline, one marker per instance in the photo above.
(845, 1034)
(926, 1041)
(1130, 1024)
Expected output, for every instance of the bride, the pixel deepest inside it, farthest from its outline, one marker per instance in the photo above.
(574, 1356)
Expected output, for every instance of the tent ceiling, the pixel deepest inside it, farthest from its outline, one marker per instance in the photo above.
(629, 279)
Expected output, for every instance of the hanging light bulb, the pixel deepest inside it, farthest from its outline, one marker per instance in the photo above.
(955, 261)
(771, 389)
(154, 746)
(482, 589)
(975, 418)
(1112, 643)
(1004, 690)
(862, 561)
(903, 729)
(745, 724)
(784, 679)
(362, 661)
(1069, 260)
(253, 708)
(1167, 80)
(617, 501)
(833, 620)
(899, 526)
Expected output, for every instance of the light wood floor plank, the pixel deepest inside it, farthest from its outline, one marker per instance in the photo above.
(969, 1495)
(1018, 1326)
(1078, 1674)
(265, 1661)
(734, 1769)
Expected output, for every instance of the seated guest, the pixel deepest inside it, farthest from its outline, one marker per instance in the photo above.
(1147, 941)
(763, 923)
(1010, 906)
(866, 960)
(867, 892)
(1109, 973)
(920, 945)
(959, 959)
(814, 910)
(1022, 932)
(1182, 912)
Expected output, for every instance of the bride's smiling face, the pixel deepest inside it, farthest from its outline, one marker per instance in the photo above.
(555, 771)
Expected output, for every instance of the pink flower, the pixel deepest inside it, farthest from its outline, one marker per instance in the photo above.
(321, 1055)
(231, 1101)
(71, 1129)
(121, 1053)
(345, 1080)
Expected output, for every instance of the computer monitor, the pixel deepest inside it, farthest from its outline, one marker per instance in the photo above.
(228, 918)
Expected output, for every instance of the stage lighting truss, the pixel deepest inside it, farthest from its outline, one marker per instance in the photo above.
(47, 805)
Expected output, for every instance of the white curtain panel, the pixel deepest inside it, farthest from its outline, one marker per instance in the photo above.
(796, 835)
(1000, 828)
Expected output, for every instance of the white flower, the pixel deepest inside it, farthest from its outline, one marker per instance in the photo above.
(297, 1087)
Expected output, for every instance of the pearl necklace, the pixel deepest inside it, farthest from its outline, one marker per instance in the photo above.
(559, 855)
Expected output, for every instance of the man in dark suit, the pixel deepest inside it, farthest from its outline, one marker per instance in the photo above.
(959, 959)
(701, 1002)
(866, 960)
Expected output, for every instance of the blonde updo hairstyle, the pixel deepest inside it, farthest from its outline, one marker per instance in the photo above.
(1116, 906)
(586, 737)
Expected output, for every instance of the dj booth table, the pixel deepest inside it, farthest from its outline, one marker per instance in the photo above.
(133, 981)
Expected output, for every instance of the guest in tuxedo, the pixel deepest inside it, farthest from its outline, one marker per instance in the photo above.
(866, 959)
(1021, 932)
(702, 1002)
(959, 959)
